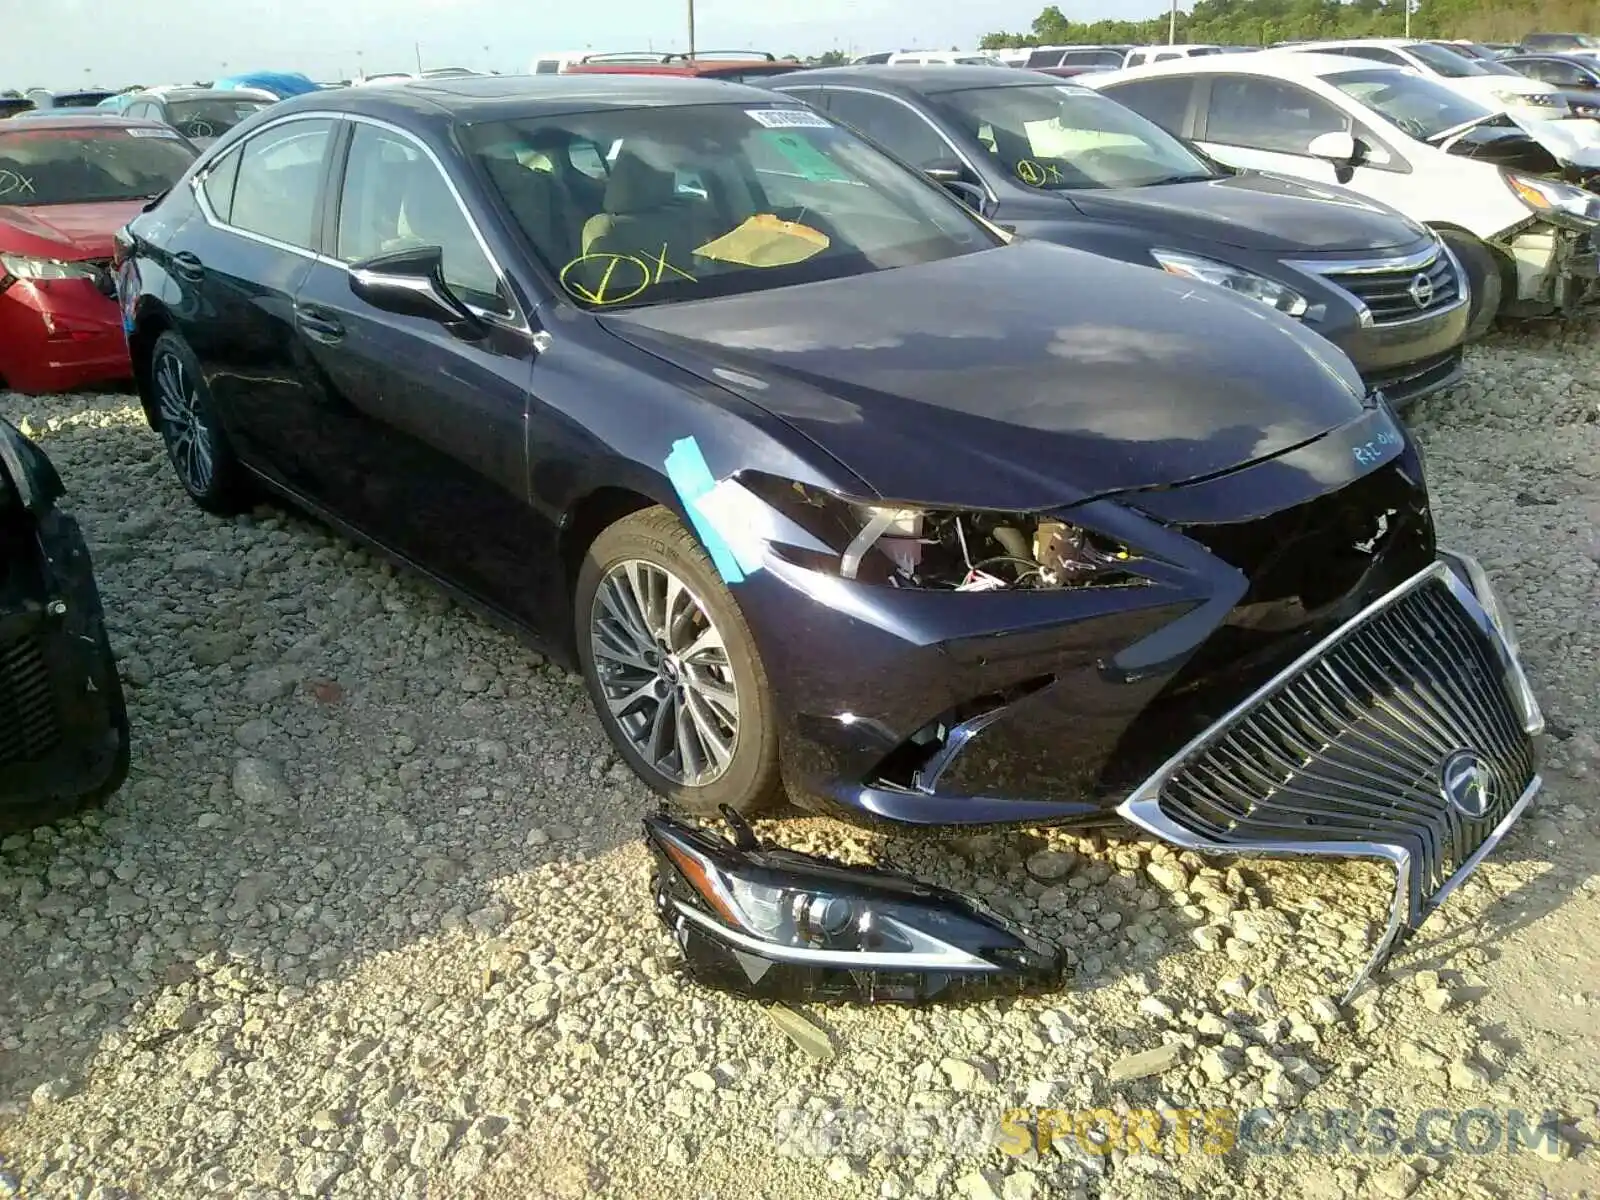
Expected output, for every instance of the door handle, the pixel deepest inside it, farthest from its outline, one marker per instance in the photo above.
(318, 325)
(188, 266)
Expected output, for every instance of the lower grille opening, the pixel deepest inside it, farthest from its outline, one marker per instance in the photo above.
(28, 723)
(906, 767)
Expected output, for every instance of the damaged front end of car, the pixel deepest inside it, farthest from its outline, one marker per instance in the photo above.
(63, 724)
(1555, 251)
(775, 924)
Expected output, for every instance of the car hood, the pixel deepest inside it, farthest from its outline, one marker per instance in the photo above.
(1017, 378)
(65, 231)
(1255, 212)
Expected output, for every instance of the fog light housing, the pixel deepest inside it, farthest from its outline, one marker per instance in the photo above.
(776, 924)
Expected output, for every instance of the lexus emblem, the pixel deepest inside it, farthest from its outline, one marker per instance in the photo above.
(1421, 291)
(1465, 782)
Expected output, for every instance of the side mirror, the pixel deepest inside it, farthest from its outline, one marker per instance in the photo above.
(411, 282)
(969, 194)
(1338, 147)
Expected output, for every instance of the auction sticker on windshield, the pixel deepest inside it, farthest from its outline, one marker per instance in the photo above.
(788, 118)
(155, 133)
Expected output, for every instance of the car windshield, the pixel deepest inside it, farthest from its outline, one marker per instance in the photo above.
(1444, 62)
(650, 205)
(1418, 105)
(212, 117)
(87, 166)
(1056, 138)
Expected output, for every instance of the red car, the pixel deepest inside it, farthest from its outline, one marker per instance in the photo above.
(67, 184)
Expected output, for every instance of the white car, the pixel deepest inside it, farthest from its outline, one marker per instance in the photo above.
(1529, 243)
(1502, 90)
(384, 77)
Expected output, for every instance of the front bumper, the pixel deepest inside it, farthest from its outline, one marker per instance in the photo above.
(1402, 319)
(60, 334)
(1557, 269)
(1350, 750)
(64, 737)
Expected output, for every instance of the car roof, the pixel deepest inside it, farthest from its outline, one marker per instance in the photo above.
(916, 80)
(194, 93)
(506, 97)
(84, 121)
(1399, 43)
(1281, 62)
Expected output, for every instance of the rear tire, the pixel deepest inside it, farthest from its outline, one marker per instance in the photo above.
(673, 669)
(186, 417)
(1482, 268)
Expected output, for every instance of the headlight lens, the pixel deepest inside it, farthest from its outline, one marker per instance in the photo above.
(908, 547)
(1236, 279)
(21, 266)
(1552, 197)
(774, 922)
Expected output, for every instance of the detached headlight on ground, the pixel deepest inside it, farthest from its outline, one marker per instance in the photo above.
(1552, 198)
(940, 549)
(1236, 279)
(778, 924)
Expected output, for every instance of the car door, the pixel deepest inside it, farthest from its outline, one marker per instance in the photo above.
(1264, 124)
(240, 269)
(421, 428)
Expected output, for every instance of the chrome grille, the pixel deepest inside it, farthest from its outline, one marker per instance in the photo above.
(28, 728)
(1392, 294)
(1351, 748)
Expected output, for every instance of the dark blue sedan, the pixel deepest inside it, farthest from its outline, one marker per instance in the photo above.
(823, 481)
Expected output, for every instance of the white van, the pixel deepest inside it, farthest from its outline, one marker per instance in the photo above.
(1529, 243)
(1141, 55)
(554, 64)
(943, 58)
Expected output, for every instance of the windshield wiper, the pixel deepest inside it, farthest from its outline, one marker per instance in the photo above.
(1195, 178)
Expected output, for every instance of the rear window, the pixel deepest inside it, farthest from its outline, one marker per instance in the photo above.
(87, 166)
(211, 118)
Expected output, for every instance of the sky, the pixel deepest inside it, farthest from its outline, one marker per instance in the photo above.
(64, 44)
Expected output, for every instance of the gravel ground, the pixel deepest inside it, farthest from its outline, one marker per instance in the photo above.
(369, 918)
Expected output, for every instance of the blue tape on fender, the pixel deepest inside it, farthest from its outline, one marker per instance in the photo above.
(691, 477)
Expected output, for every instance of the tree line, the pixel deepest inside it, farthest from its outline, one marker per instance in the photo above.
(1262, 22)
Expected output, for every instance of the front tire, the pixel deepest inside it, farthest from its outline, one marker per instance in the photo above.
(186, 418)
(1482, 269)
(673, 669)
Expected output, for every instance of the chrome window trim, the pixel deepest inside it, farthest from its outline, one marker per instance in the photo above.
(1142, 808)
(988, 192)
(1323, 270)
(516, 319)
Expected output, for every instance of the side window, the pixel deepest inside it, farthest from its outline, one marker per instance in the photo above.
(218, 185)
(1167, 56)
(547, 66)
(1559, 73)
(394, 197)
(1135, 58)
(1266, 114)
(1045, 58)
(279, 177)
(1164, 101)
(891, 124)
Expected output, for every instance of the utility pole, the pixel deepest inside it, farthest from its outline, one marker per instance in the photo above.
(1408, 18)
(1172, 25)
(691, 28)
(417, 46)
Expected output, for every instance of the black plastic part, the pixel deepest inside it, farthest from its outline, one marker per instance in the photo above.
(64, 738)
(1013, 959)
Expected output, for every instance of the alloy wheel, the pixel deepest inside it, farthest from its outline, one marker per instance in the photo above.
(664, 670)
(188, 437)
